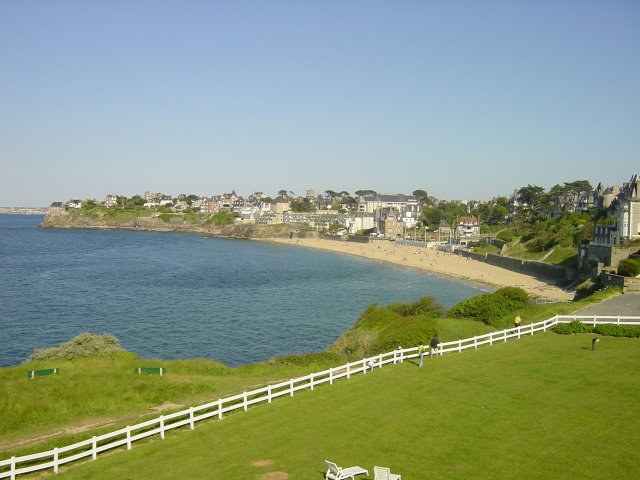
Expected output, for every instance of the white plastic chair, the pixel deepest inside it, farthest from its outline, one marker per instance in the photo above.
(334, 472)
(383, 473)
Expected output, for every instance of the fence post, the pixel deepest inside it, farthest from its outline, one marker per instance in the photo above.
(128, 437)
(162, 427)
(13, 468)
(291, 387)
(311, 381)
(55, 460)
(191, 418)
(269, 394)
(519, 332)
(475, 343)
(94, 448)
(244, 401)
(594, 320)
(505, 334)
(491, 339)
(380, 363)
(531, 324)
(402, 356)
(219, 409)
(348, 372)
(459, 345)
(618, 322)
(331, 376)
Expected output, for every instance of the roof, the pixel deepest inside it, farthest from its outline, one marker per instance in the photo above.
(468, 219)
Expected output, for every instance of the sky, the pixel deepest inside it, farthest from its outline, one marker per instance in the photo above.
(463, 99)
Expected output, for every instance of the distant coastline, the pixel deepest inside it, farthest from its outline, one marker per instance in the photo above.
(23, 210)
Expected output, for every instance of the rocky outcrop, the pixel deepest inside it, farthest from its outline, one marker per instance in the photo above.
(176, 223)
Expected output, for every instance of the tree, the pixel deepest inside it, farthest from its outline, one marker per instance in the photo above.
(431, 216)
(191, 198)
(138, 200)
(366, 193)
(303, 205)
(535, 203)
(330, 194)
(422, 196)
(499, 214)
(282, 193)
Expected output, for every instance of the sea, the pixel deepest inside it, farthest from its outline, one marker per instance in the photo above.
(177, 295)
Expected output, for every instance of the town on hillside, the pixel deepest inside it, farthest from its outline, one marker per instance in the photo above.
(613, 213)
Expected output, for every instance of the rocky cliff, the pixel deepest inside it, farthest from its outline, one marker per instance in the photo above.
(176, 223)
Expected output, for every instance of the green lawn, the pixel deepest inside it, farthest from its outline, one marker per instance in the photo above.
(542, 407)
(106, 391)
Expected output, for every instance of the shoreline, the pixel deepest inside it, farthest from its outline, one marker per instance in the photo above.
(436, 262)
(427, 260)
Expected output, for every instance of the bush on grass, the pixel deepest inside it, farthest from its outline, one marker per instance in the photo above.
(586, 288)
(491, 308)
(629, 331)
(307, 359)
(629, 267)
(426, 306)
(83, 345)
(515, 294)
(571, 328)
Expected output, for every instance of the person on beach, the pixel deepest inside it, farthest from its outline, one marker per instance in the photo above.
(420, 354)
(434, 345)
(517, 321)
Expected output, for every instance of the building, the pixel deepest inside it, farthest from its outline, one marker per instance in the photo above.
(56, 207)
(111, 200)
(612, 235)
(402, 203)
(468, 227)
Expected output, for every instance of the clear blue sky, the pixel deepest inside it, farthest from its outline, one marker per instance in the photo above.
(464, 99)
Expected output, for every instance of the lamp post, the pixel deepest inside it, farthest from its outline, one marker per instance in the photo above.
(593, 343)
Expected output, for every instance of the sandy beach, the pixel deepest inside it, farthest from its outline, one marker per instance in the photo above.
(434, 261)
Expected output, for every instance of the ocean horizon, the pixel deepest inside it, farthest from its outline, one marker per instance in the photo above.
(181, 295)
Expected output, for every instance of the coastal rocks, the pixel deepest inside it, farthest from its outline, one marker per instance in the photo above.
(175, 223)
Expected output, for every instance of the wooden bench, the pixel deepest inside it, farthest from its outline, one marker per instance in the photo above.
(42, 372)
(151, 370)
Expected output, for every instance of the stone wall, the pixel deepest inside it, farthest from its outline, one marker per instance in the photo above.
(628, 284)
(527, 267)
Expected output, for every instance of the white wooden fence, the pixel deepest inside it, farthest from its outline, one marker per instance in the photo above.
(91, 447)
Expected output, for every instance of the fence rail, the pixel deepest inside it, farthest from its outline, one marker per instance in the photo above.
(91, 447)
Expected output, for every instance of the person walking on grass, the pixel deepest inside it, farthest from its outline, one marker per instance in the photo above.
(517, 321)
(434, 345)
(420, 354)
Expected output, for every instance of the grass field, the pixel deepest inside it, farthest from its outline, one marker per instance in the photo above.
(542, 407)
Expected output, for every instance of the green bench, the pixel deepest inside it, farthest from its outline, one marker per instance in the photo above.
(152, 370)
(42, 372)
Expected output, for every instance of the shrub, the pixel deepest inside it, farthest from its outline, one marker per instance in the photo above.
(409, 332)
(515, 294)
(586, 288)
(308, 359)
(489, 308)
(571, 328)
(426, 306)
(506, 235)
(630, 331)
(629, 267)
(83, 345)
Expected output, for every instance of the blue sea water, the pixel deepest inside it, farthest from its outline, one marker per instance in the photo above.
(166, 295)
